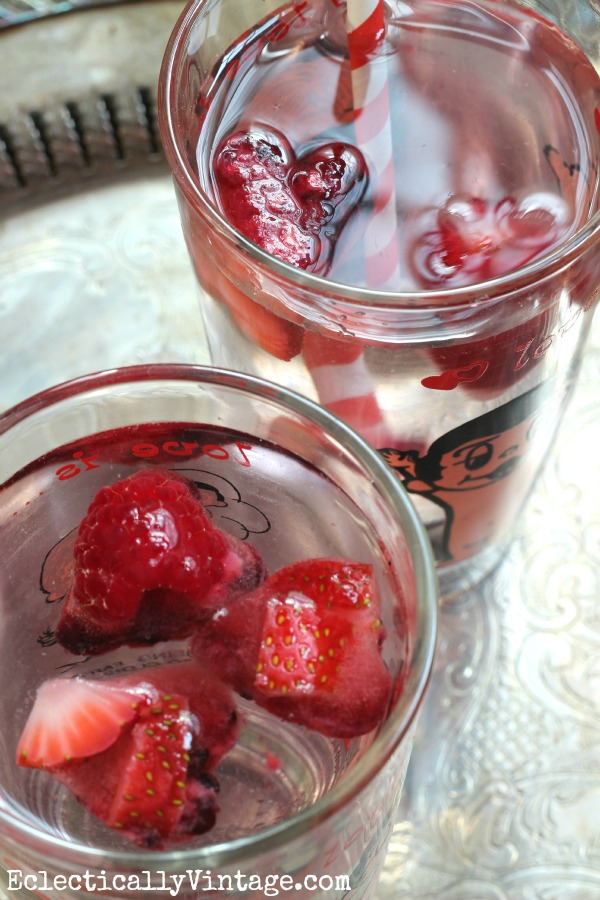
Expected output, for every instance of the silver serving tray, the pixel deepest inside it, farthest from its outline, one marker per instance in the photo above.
(502, 800)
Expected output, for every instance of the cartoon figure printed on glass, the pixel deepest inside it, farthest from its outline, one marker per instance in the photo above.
(475, 467)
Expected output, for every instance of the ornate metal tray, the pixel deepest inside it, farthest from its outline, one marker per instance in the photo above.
(502, 800)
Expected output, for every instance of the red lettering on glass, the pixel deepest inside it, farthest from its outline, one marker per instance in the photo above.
(543, 347)
(570, 322)
(66, 472)
(180, 448)
(331, 855)
(144, 451)
(280, 31)
(88, 461)
(299, 10)
(244, 461)
(354, 837)
(522, 361)
(215, 452)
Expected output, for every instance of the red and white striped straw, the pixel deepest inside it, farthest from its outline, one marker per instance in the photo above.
(344, 385)
(372, 122)
(338, 368)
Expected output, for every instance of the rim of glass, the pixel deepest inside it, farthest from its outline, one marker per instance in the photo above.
(373, 299)
(394, 729)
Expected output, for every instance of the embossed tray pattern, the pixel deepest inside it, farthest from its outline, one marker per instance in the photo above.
(502, 800)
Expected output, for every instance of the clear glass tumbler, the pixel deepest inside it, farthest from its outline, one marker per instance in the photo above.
(456, 366)
(278, 471)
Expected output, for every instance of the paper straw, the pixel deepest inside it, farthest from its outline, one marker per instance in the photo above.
(344, 385)
(372, 123)
(338, 369)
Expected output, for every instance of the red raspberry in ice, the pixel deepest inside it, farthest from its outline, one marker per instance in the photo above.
(292, 207)
(138, 752)
(148, 563)
(306, 645)
(469, 240)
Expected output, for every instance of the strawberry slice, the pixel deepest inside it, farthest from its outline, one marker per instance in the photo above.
(275, 334)
(148, 563)
(306, 645)
(74, 719)
(151, 787)
(153, 780)
(210, 702)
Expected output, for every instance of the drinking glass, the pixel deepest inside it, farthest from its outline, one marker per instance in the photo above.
(274, 469)
(460, 386)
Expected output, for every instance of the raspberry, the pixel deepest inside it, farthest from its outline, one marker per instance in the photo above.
(148, 564)
(294, 207)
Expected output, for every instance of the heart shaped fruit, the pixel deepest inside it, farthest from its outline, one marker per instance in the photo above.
(148, 563)
(307, 646)
(470, 240)
(292, 207)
